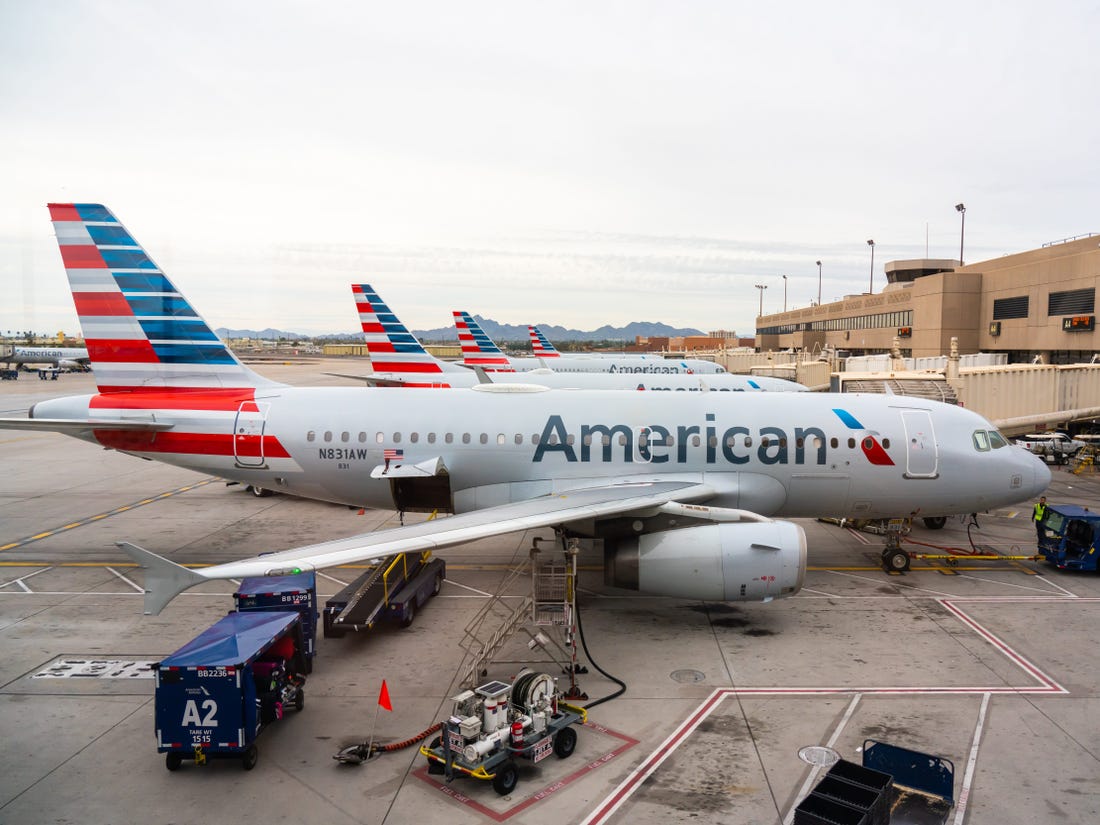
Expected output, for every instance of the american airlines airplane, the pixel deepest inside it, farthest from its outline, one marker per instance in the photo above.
(542, 348)
(684, 489)
(399, 359)
(478, 350)
(66, 358)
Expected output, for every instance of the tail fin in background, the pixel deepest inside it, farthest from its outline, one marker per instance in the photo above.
(540, 344)
(478, 350)
(140, 331)
(392, 348)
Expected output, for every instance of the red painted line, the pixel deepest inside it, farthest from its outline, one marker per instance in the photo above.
(858, 536)
(502, 816)
(1047, 685)
(1002, 646)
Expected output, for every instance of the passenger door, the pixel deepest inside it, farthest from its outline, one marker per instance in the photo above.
(921, 453)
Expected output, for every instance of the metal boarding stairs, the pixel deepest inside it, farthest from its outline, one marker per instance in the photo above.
(550, 605)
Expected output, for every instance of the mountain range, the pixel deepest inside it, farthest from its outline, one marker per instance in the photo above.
(498, 332)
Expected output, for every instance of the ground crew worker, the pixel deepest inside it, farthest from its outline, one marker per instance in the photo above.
(1039, 516)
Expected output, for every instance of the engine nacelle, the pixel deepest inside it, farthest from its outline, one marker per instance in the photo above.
(746, 561)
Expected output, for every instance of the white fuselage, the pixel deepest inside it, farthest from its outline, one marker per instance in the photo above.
(774, 454)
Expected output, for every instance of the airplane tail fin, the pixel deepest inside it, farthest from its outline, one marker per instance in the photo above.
(478, 350)
(540, 344)
(140, 331)
(392, 348)
(164, 579)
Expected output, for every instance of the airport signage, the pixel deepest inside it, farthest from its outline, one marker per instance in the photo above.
(1079, 323)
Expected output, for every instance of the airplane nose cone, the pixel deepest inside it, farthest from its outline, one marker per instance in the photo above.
(1042, 475)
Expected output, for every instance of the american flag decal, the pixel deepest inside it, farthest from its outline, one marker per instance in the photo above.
(393, 455)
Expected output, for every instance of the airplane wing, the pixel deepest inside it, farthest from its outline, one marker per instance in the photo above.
(74, 427)
(165, 579)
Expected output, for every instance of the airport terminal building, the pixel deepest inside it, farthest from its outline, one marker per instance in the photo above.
(1041, 302)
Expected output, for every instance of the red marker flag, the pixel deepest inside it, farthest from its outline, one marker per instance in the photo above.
(384, 697)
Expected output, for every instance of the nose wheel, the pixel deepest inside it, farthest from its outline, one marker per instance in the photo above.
(895, 559)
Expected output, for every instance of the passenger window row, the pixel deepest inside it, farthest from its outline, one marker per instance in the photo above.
(328, 436)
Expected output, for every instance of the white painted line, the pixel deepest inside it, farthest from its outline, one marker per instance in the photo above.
(1057, 586)
(475, 590)
(130, 582)
(21, 579)
(816, 770)
(636, 777)
(971, 763)
(324, 575)
(825, 594)
(894, 581)
(1011, 584)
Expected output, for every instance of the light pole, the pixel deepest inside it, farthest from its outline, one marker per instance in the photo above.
(961, 209)
(819, 283)
(761, 287)
(871, 288)
(784, 293)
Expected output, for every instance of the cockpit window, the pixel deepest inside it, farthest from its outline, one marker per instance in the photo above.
(996, 440)
(981, 440)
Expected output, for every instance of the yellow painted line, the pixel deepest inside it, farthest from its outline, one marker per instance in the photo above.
(124, 508)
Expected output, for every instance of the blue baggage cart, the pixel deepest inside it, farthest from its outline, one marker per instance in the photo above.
(216, 693)
(298, 592)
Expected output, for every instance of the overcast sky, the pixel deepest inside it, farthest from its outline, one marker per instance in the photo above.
(567, 163)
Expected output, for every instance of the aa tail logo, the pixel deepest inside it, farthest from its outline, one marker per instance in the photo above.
(478, 350)
(141, 333)
(540, 344)
(869, 443)
(392, 348)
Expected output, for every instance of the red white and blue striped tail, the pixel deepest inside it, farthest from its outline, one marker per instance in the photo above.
(478, 350)
(140, 331)
(392, 348)
(540, 344)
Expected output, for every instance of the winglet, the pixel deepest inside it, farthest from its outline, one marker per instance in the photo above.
(164, 579)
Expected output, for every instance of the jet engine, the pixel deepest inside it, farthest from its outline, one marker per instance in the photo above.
(754, 561)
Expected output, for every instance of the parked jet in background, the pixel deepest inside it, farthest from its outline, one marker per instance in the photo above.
(66, 358)
(540, 344)
(398, 358)
(681, 488)
(478, 350)
(542, 348)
